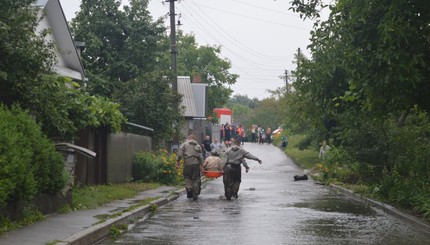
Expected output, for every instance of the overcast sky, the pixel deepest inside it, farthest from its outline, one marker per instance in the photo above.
(259, 37)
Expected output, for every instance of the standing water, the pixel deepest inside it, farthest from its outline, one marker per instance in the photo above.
(271, 209)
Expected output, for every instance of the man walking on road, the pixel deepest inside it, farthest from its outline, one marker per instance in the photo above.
(191, 153)
(235, 156)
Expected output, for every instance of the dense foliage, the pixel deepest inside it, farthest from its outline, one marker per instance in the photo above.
(63, 108)
(366, 90)
(206, 63)
(25, 56)
(26, 78)
(54, 107)
(29, 163)
(266, 113)
(157, 167)
(127, 59)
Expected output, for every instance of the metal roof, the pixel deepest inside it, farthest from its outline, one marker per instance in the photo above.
(188, 102)
(200, 98)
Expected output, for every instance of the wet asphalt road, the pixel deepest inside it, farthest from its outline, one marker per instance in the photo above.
(271, 209)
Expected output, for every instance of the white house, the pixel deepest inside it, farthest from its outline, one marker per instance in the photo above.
(68, 61)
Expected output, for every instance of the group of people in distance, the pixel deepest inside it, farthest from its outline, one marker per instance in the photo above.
(228, 131)
(193, 154)
(261, 135)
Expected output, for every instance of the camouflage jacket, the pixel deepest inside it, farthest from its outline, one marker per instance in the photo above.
(191, 152)
(236, 155)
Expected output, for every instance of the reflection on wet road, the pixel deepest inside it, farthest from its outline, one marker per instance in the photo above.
(278, 211)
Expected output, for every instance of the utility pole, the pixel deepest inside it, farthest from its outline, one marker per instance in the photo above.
(173, 52)
(173, 48)
(287, 89)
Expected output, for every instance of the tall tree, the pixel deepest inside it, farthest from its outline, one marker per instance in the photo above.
(205, 61)
(369, 72)
(268, 113)
(151, 104)
(25, 56)
(127, 55)
(379, 50)
(121, 44)
(26, 78)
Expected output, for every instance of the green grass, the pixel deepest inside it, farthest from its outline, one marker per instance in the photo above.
(88, 197)
(91, 197)
(103, 217)
(306, 159)
(30, 215)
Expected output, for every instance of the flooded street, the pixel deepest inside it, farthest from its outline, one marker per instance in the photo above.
(271, 209)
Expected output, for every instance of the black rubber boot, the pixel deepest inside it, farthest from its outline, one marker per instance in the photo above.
(227, 195)
(189, 194)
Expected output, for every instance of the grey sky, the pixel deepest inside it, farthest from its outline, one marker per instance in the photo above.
(259, 37)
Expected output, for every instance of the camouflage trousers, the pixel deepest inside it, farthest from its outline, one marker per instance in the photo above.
(192, 176)
(231, 179)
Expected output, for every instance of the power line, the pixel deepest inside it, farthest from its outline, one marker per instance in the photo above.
(203, 29)
(270, 10)
(235, 42)
(249, 17)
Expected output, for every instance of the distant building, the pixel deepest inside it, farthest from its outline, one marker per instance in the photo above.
(195, 105)
(224, 115)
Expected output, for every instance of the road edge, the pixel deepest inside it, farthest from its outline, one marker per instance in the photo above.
(415, 221)
(100, 231)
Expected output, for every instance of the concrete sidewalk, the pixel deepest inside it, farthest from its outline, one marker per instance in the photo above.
(81, 227)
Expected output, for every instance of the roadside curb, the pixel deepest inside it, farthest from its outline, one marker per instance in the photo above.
(100, 231)
(416, 222)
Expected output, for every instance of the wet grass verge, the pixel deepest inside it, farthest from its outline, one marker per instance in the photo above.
(90, 197)
(306, 159)
(102, 218)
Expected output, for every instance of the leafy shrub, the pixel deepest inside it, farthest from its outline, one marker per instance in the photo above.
(144, 167)
(29, 163)
(305, 143)
(63, 108)
(155, 167)
(421, 202)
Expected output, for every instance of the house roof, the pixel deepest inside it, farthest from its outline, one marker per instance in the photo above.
(69, 63)
(186, 90)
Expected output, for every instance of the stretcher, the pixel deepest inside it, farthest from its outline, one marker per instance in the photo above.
(213, 174)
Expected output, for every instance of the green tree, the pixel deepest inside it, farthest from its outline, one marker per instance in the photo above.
(243, 100)
(243, 109)
(369, 73)
(151, 104)
(268, 113)
(380, 49)
(25, 56)
(26, 78)
(121, 44)
(127, 55)
(205, 61)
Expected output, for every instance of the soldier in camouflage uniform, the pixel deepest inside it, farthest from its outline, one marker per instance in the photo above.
(191, 153)
(233, 157)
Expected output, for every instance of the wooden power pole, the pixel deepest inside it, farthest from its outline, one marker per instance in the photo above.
(173, 52)
(173, 48)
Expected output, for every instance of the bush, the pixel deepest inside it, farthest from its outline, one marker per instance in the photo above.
(421, 201)
(155, 167)
(144, 167)
(29, 163)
